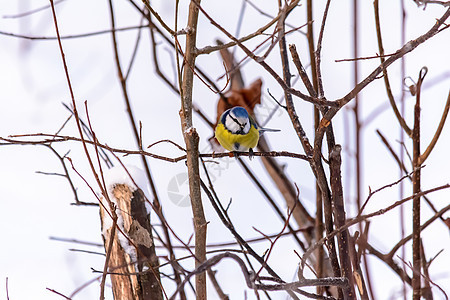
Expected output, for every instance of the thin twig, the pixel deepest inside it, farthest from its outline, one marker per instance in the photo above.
(301, 71)
(317, 53)
(416, 181)
(7, 289)
(404, 169)
(258, 32)
(364, 57)
(435, 138)
(160, 20)
(267, 67)
(358, 219)
(30, 12)
(272, 202)
(108, 249)
(405, 49)
(58, 293)
(371, 193)
(250, 278)
(399, 117)
(61, 139)
(72, 36)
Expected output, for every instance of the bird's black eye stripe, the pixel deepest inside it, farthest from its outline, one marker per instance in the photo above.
(235, 120)
(241, 131)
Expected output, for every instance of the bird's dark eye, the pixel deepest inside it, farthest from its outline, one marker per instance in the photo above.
(235, 120)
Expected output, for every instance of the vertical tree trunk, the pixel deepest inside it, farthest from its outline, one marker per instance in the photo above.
(135, 259)
(191, 139)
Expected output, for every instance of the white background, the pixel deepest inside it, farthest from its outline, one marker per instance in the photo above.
(35, 207)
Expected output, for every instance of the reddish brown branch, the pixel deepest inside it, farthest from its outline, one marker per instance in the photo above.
(399, 117)
(340, 219)
(435, 138)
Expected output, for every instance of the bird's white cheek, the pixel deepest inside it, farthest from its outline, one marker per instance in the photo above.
(247, 127)
(231, 125)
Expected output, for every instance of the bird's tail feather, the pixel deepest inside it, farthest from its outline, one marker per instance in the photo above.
(262, 130)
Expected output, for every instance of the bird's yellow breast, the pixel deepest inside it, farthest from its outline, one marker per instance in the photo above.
(237, 142)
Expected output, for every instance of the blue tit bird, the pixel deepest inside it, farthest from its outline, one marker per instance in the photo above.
(237, 131)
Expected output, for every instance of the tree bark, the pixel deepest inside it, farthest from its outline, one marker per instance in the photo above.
(133, 263)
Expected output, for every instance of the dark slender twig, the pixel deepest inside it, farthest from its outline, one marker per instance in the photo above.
(316, 162)
(320, 269)
(153, 43)
(289, 102)
(258, 32)
(167, 141)
(31, 12)
(123, 85)
(75, 112)
(416, 181)
(100, 183)
(408, 47)
(358, 219)
(88, 133)
(60, 139)
(7, 289)
(272, 202)
(274, 38)
(67, 176)
(58, 293)
(250, 278)
(210, 272)
(425, 2)
(340, 218)
(435, 138)
(75, 241)
(371, 193)
(169, 40)
(255, 7)
(137, 136)
(267, 67)
(437, 215)
(301, 71)
(160, 20)
(108, 249)
(364, 57)
(135, 50)
(272, 243)
(317, 53)
(426, 290)
(229, 225)
(73, 36)
(404, 169)
(388, 258)
(399, 117)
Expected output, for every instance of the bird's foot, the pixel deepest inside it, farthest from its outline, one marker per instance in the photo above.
(251, 154)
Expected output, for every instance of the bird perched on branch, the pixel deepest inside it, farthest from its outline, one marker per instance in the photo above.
(237, 131)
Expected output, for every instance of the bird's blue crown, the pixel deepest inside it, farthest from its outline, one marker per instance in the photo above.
(239, 112)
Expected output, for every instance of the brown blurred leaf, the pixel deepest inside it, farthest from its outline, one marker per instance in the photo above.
(245, 97)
